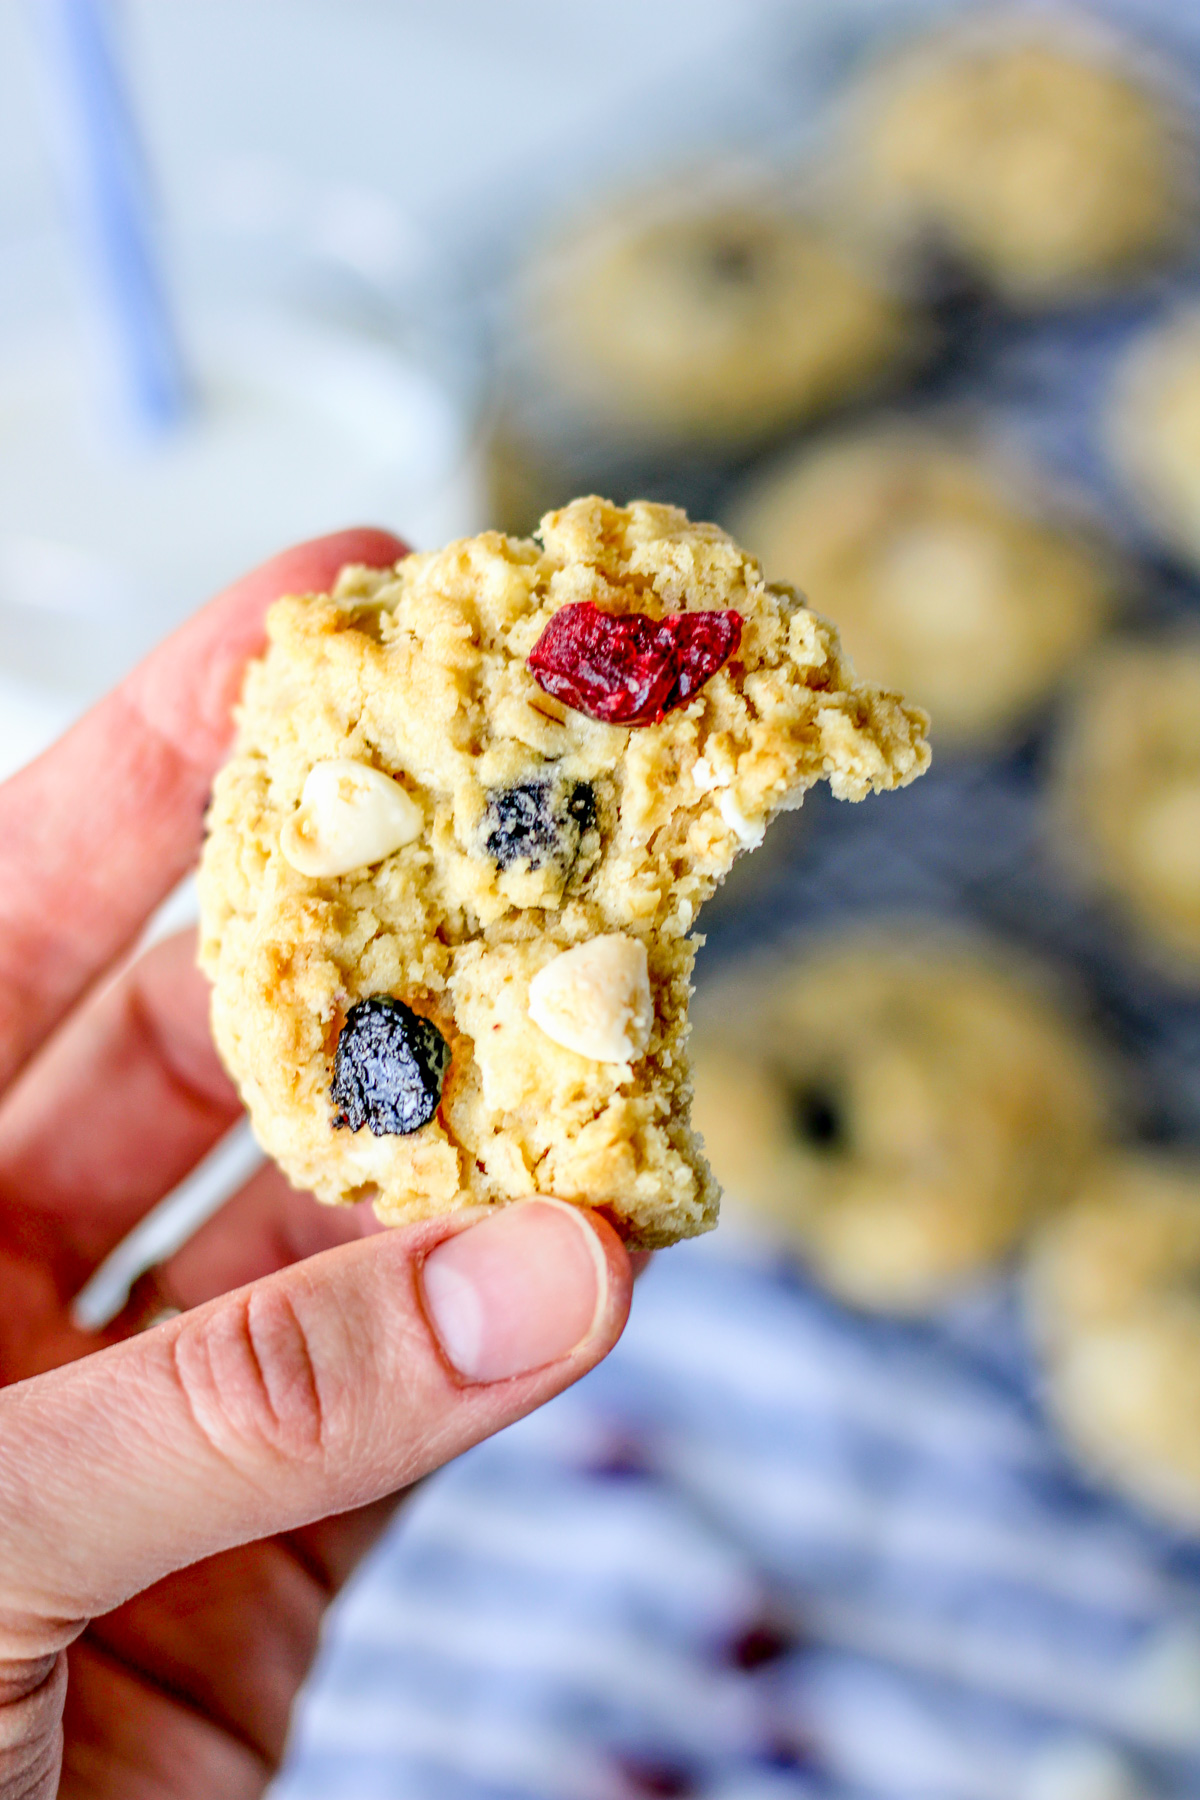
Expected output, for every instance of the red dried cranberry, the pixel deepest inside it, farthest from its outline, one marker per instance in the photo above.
(656, 1780)
(627, 668)
(762, 1642)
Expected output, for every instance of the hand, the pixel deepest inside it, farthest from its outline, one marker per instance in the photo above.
(178, 1505)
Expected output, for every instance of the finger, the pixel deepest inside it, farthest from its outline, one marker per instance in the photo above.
(122, 1103)
(266, 1227)
(234, 1636)
(129, 1740)
(118, 1107)
(328, 1386)
(333, 1548)
(95, 832)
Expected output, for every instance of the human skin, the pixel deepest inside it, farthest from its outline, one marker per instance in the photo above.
(179, 1504)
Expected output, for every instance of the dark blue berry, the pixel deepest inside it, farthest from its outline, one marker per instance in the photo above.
(622, 1458)
(818, 1118)
(539, 822)
(733, 262)
(581, 806)
(388, 1068)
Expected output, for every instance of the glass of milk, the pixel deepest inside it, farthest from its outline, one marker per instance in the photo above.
(308, 417)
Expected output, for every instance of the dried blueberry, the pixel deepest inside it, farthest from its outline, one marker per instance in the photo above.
(539, 822)
(623, 1457)
(581, 806)
(733, 261)
(521, 825)
(818, 1118)
(388, 1068)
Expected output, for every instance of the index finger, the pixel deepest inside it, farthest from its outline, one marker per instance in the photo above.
(97, 831)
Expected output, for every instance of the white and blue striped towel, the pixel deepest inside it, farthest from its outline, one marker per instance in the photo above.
(769, 1549)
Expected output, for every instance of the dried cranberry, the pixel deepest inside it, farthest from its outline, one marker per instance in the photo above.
(627, 668)
(656, 1780)
(762, 1642)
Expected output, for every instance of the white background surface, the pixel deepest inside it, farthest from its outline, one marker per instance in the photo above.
(436, 105)
(399, 136)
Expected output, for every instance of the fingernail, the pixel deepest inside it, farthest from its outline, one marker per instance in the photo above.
(519, 1290)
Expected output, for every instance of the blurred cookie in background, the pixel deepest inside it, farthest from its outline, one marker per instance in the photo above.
(1114, 1288)
(522, 479)
(1153, 429)
(711, 315)
(1035, 155)
(898, 1106)
(1126, 797)
(937, 563)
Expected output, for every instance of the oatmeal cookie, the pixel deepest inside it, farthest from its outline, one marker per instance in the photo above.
(1033, 154)
(1126, 798)
(899, 1107)
(939, 567)
(1114, 1287)
(711, 319)
(454, 864)
(1153, 429)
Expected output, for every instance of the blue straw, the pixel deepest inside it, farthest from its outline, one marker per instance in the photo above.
(107, 176)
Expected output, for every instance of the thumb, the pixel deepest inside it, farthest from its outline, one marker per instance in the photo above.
(328, 1385)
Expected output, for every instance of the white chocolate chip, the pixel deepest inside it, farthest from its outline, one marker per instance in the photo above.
(370, 1156)
(748, 831)
(595, 999)
(706, 776)
(349, 816)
